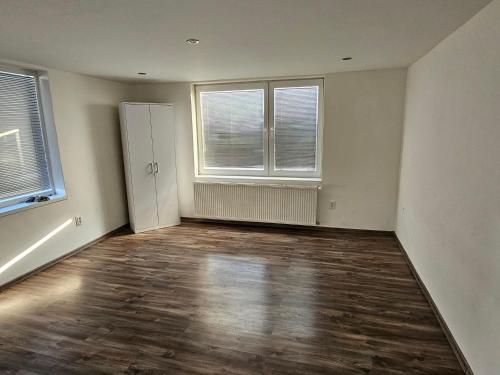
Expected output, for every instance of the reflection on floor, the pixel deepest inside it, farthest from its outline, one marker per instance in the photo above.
(216, 299)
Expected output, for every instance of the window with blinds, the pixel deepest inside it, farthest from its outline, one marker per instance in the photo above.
(233, 129)
(295, 128)
(24, 168)
(270, 128)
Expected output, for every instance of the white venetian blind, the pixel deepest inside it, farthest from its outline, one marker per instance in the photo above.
(233, 129)
(295, 128)
(23, 163)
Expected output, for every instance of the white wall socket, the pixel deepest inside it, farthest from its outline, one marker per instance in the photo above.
(333, 204)
(78, 221)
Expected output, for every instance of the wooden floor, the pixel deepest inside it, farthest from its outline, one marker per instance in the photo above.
(215, 299)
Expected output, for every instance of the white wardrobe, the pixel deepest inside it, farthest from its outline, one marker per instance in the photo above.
(148, 136)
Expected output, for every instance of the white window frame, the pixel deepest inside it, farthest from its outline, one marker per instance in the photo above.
(44, 101)
(268, 173)
(319, 128)
(199, 131)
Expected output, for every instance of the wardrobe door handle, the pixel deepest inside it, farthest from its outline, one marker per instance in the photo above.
(156, 168)
(150, 165)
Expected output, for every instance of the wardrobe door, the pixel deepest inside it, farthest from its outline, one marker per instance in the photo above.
(141, 168)
(162, 123)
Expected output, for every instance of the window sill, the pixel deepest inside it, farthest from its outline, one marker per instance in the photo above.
(9, 210)
(259, 180)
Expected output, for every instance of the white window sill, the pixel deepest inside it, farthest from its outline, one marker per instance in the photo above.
(9, 210)
(259, 180)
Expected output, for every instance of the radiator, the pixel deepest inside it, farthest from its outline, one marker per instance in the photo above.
(256, 202)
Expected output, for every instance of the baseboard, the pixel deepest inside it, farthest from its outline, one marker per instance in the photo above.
(61, 258)
(284, 226)
(453, 343)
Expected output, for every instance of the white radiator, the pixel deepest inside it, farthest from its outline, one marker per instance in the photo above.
(255, 202)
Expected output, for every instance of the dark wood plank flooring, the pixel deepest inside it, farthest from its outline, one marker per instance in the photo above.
(225, 299)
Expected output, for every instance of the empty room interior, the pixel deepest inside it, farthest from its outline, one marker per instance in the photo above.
(250, 187)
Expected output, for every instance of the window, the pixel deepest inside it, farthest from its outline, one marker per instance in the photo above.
(261, 129)
(26, 169)
(233, 129)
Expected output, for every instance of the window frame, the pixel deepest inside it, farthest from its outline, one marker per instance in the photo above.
(319, 128)
(269, 173)
(57, 190)
(199, 129)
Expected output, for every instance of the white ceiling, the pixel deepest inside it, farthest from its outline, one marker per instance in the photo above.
(239, 38)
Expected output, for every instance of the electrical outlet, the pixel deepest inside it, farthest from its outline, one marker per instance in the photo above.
(333, 205)
(78, 221)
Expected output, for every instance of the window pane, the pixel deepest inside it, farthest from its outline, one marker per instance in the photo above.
(233, 129)
(23, 164)
(295, 128)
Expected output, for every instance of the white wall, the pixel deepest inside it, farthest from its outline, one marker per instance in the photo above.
(449, 203)
(362, 139)
(86, 119)
(361, 148)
